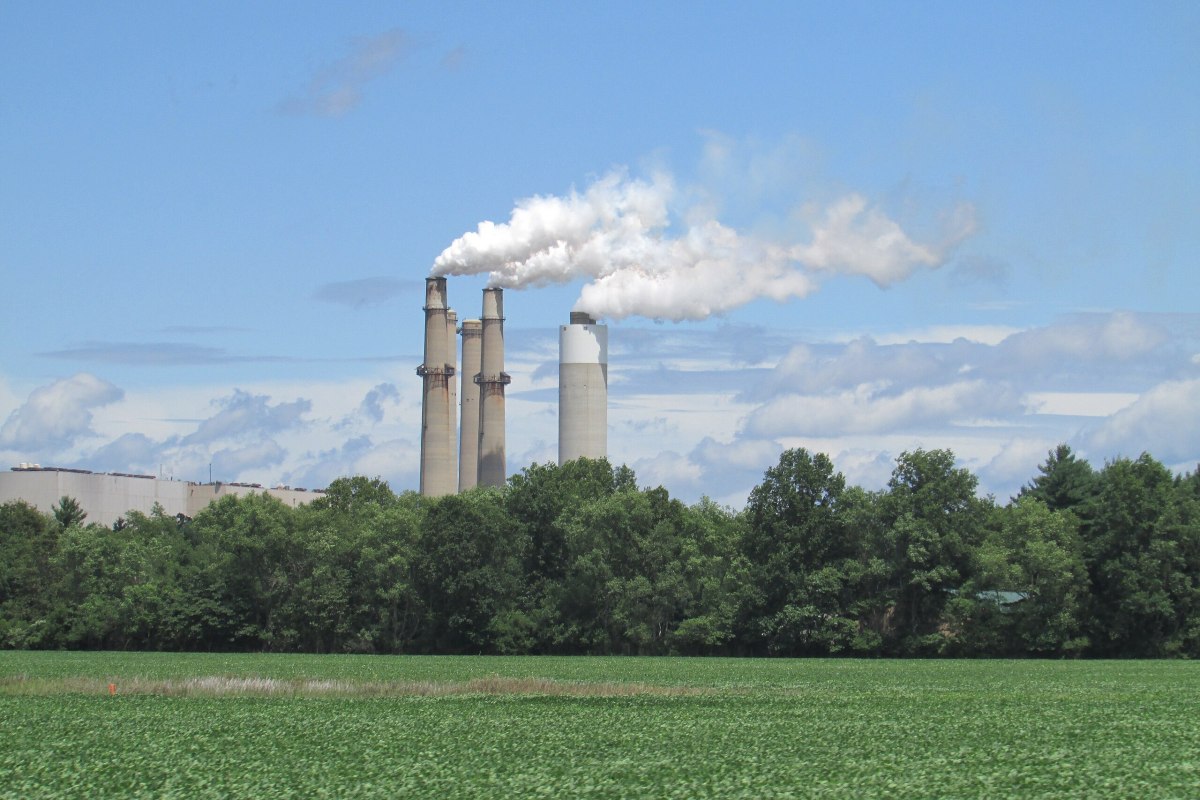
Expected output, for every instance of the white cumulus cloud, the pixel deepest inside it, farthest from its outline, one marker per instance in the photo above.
(1165, 421)
(254, 456)
(869, 408)
(57, 414)
(668, 468)
(245, 415)
(1118, 336)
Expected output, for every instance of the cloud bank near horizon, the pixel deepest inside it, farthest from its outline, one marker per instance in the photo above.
(709, 426)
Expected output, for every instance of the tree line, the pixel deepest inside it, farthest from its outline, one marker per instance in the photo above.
(578, 559)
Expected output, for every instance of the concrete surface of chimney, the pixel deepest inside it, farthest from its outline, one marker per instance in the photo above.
(491, 380)
(437, 475)
(452, 390)
(582, 389)
(468, 436)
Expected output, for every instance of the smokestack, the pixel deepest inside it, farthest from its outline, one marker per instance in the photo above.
(468, 453)
(582, 389)
(491, 380)
(452, 391)
(437, 476)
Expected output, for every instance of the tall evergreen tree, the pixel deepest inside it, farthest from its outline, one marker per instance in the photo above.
(68, 512)
(1065, 482)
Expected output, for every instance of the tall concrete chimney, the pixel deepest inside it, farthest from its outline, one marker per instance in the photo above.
(582, 389)
(452, 391)
(491, 380)
(468, 436)
(437, 476)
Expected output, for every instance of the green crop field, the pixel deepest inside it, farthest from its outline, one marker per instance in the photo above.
(206, 725)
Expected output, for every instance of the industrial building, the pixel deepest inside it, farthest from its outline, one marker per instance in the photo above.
(108, 496)
(468, 397)
(582, 389)
(438, 462)
(479, 457)
(493, 467)
(456, 454)
(582, 393)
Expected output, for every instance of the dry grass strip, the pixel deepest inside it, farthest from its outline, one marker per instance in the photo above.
(229, 686)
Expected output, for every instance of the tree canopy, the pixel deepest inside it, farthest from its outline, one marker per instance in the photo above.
(579, 559)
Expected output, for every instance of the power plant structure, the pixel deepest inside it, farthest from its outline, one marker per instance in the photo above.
(454, 457)
(491, 381)
(452, 390)
(582, 389)
(437, 416)
(468, 437)
(479, 458)
(107, 497)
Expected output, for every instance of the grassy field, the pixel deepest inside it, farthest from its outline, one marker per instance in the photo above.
(205, 725)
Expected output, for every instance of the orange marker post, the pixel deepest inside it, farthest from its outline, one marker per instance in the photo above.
(112, 688)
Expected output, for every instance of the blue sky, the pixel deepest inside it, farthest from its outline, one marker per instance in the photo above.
(215, 222)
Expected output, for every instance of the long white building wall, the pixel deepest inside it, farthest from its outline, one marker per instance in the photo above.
(106, 497)
(201, 494)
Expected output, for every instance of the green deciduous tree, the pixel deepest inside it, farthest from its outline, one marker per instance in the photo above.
(471, 575)
(168, 603)
(258, 555)
(537, 496)
(714, 571)
(932, 524)
(28, 542)
(356, 495)
(1030, 594)
(95, 565)
(365, 582)
(576, 559)
(1140, 539)
(798, 597)
(625, 589)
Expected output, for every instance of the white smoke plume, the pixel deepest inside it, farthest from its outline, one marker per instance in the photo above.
(618, 235)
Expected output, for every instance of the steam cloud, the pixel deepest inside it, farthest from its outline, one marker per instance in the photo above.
(617, 235)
